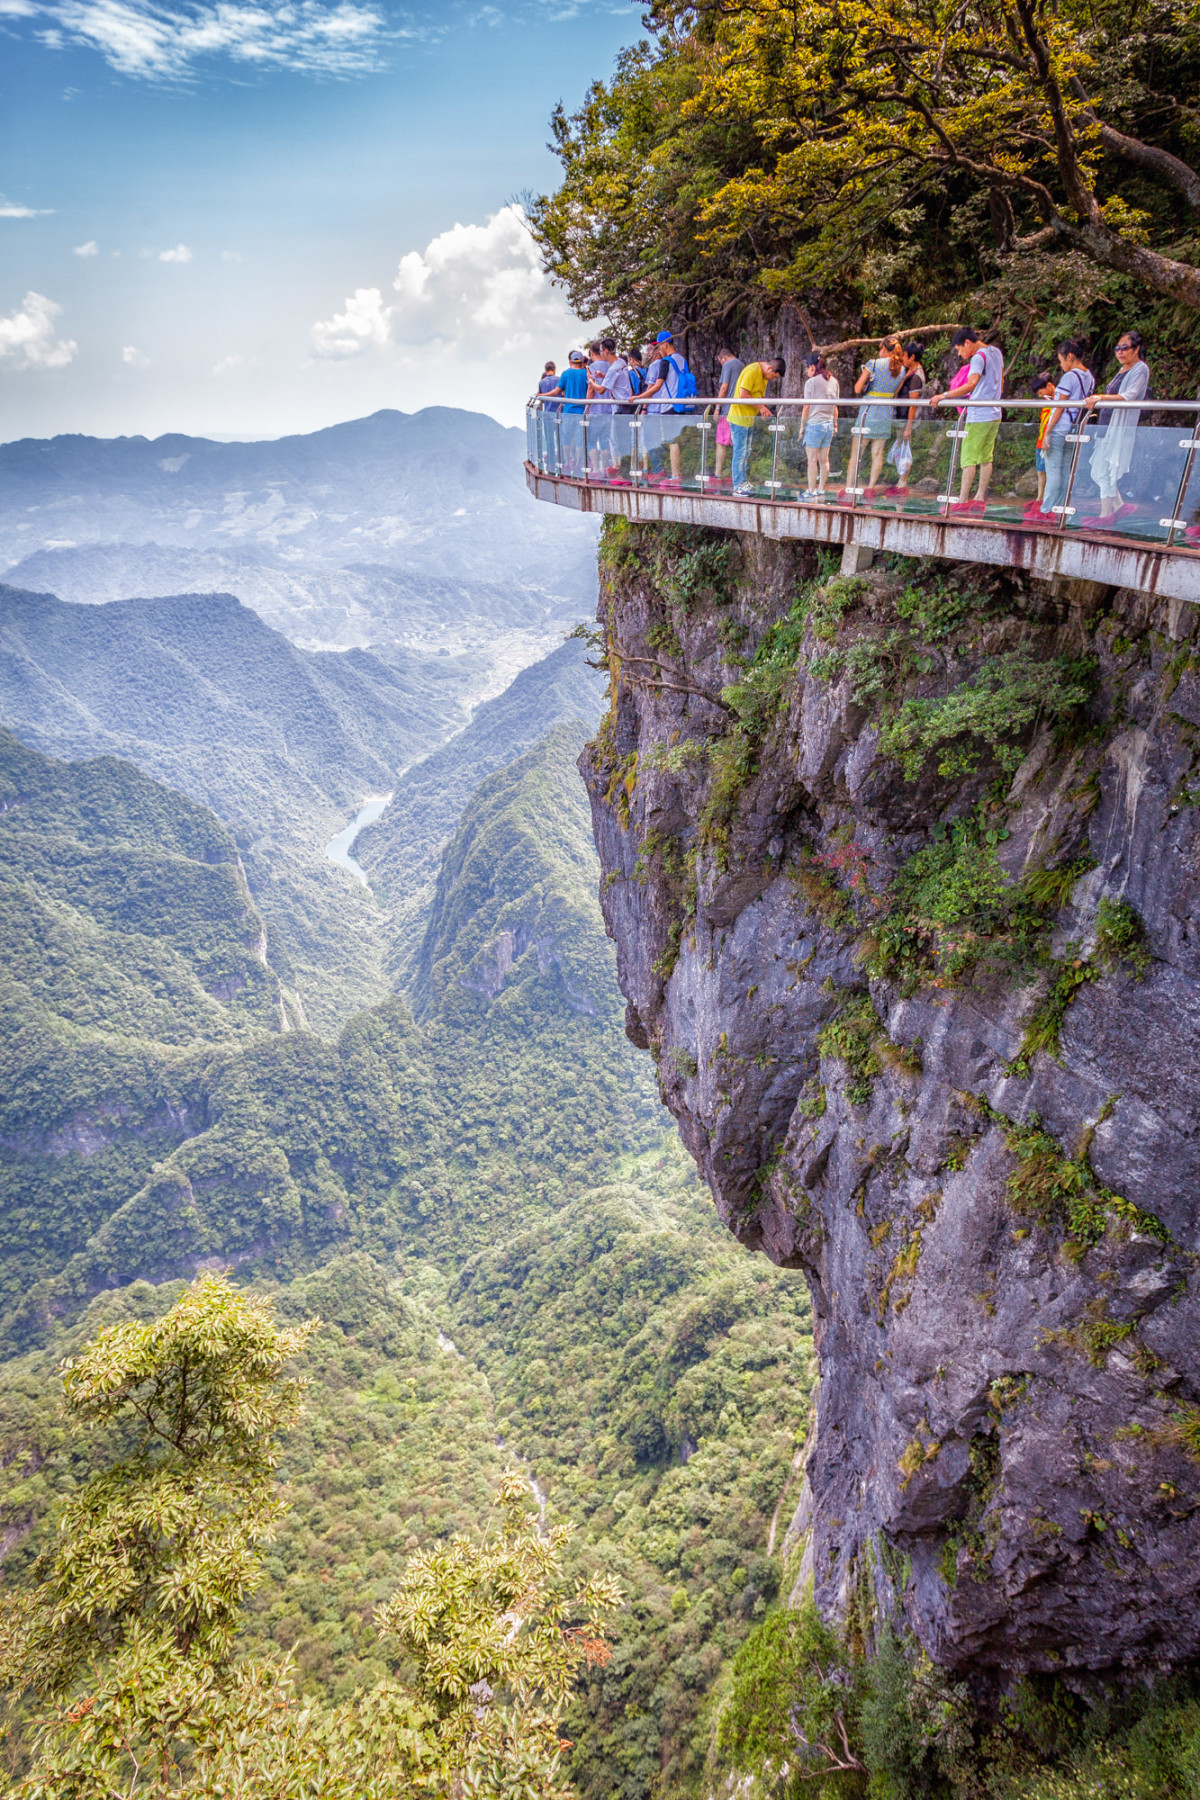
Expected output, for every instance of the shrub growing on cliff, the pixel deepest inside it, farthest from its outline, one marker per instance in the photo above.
(791, 1718)
(989, 712)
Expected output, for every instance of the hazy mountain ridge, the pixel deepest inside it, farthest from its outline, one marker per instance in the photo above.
(198, 690)
(440, 492)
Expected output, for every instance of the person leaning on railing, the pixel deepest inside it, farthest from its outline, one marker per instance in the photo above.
(985, 380)
(752, 384)
(1117, 427)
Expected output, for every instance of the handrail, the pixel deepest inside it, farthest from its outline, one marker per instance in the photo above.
(569, 438)
(696, 402)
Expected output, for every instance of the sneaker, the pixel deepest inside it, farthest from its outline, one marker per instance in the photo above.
(743, 487)
(897, 492)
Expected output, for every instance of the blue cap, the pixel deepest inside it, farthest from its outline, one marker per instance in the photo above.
(664, 337)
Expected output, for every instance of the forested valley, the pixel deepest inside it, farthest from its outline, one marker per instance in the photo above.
(470, 1184)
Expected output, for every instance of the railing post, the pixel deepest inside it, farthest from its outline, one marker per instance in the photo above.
(1078, 438)
(946, 499)
(705, 431)
(587, 473)
(1178, 522)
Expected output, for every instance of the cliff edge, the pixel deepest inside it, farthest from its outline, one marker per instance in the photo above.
(903, 875)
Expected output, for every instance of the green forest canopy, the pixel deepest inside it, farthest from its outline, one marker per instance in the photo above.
(1034, 161)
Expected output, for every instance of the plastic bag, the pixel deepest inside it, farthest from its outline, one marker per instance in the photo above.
(900, 455)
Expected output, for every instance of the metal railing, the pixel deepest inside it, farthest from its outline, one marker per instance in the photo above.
(1127, 469)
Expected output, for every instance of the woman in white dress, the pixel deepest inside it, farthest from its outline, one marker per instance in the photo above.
(1118, 426)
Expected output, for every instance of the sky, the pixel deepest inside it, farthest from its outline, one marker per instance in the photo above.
(245, 218)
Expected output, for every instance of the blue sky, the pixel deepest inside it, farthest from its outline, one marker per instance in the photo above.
(248, 217)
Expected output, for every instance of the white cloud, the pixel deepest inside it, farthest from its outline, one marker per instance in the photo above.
(228, 364)
(28, 335)
(133, 358)
(180, 254)
(363, 324)
(91, 248)
(12, 209)
(169, 42)
(477, 294)
(231, 256)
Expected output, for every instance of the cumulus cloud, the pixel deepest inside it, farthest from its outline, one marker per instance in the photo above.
(364, 323)
(133, 358)
(229, 364)
(28, 336)
(475, 294)
(180, 254)
(164, 42)
(91, 248)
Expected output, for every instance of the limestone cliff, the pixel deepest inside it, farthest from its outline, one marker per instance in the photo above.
(902, 873)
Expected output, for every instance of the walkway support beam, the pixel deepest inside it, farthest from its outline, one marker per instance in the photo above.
(859, 534)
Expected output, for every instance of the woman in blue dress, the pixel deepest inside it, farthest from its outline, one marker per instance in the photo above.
(880, 378)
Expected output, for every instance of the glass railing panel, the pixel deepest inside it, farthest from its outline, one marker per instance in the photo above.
(610, 447)
(753, 459)
(1128, 477)
(790, 478)
(1187, 512)
(1014, 485)
(569, 432)
(662, 441)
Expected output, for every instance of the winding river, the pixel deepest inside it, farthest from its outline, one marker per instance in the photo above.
(338, 848)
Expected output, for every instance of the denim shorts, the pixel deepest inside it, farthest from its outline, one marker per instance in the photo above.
(818, 433)
(1039, 461)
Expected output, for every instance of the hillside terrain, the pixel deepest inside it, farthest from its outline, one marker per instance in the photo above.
(508, 1255)
(402, 851)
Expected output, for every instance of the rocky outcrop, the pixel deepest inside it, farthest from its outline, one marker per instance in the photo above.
(925, 1003)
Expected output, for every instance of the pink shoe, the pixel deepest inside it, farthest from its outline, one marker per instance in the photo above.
(893, 493)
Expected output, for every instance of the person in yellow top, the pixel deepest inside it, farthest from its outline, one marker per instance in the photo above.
(751, 384)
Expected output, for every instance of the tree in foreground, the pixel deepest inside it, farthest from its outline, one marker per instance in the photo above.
(127, 1640)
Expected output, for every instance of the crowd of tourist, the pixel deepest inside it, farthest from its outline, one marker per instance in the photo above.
(603, 383)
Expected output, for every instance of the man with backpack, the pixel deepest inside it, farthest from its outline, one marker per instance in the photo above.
(669, 377)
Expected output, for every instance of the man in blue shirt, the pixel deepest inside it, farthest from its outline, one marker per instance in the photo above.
(572, 388)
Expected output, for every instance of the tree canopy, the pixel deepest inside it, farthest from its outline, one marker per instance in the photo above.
(882, 151)
(128, 1639)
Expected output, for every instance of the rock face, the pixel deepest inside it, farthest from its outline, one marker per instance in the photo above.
(903, 1012)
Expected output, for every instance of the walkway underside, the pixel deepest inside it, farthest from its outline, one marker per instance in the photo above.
(1044, 552)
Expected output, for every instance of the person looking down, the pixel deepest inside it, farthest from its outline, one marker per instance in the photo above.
(751, 385)
(731, 366)
(1075, 383)
(985, 380)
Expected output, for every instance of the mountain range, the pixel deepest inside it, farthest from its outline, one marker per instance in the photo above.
(413, 529)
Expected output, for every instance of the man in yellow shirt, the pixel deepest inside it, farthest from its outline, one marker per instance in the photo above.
(752, 384)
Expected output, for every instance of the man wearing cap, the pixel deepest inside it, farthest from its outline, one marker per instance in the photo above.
(572, 387)
(659, 373)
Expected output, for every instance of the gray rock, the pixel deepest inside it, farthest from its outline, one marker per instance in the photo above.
(999, 1436)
